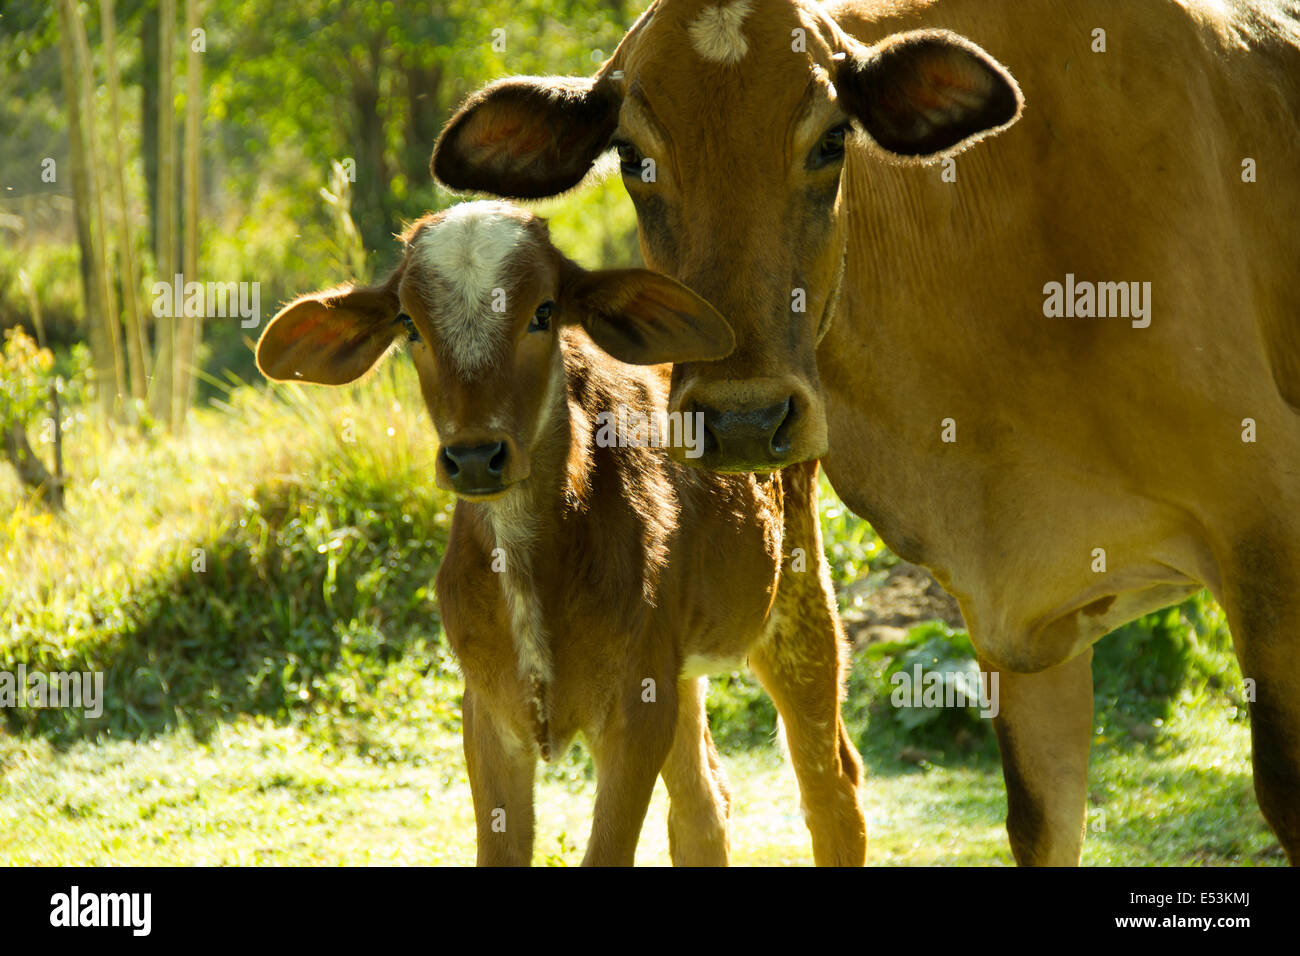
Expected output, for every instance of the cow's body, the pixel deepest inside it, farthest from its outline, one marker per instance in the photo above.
(1076, 434)
(1078, 441)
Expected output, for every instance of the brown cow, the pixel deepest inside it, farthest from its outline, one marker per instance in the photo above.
(1060, 467)
(590, 580)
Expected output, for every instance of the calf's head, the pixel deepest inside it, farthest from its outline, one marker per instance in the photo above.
(732, 122)
(480, 296)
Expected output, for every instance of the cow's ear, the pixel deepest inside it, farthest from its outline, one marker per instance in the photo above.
(644, 318)
(928, 93)
(331, 337)
(527, 137)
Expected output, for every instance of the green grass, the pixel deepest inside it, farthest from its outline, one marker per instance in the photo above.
(257, 792)
(294, 702)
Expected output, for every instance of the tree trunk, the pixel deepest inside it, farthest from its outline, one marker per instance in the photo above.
(135, 346)
(372, 213)
(91, 272)
(423, 120)
(31, 470)
(190, 326)
(112, 318)
(149, 116)
(165, 252)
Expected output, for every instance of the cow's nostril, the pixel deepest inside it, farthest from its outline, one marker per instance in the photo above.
(497, 463)
(781, 438)
(449, 463)
(754, 438)
(711, 444)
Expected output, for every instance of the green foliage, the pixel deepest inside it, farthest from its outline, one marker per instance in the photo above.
(290, 92)
(52, 269)
(741, 715)
(878, 712)
(28, 372)
(25, 377)
(304, 592)
(851, 545)
(1145, 669)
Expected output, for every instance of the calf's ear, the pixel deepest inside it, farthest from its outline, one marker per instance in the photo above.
(927, 94)
(331, 337)
(644, 318)
(527, 137)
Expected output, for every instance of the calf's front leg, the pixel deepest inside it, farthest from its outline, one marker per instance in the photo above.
(630, 750)
(501, 770)
(699, 802)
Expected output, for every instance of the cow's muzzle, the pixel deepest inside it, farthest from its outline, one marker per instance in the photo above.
(748, 439)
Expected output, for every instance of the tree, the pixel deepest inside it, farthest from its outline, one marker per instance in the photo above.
(100, 305)
(189, 326)
(165, 252)
(135, 343)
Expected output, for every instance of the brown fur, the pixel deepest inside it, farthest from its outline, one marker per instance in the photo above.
(576, 596)
(1072, 434)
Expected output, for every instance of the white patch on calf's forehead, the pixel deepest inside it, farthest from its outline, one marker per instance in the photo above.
(469, 250)
(716, 33)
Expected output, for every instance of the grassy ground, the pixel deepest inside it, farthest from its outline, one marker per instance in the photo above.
(258, 596)
(254, 792)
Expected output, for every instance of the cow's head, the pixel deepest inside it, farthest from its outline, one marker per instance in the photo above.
(731, 123)
(481, 295)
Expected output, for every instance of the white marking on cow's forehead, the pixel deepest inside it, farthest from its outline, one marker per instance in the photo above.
(716, 33)
(469, 250)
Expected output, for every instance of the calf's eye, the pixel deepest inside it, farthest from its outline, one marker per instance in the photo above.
(413, 334)
(629, 158)
(541, 318)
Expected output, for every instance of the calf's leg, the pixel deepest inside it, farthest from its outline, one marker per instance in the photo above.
(629, 750)
(501, 770)
(698, 800)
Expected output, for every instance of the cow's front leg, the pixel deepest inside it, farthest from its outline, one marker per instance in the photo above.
(1263, 603)
(1044, 728)
(629, 751)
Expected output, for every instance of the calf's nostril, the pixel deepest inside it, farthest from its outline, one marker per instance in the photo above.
(497, 463)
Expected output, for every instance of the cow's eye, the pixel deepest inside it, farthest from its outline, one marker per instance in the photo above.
(629, 158)
(831, 147)
(412, 333)
(542, 317)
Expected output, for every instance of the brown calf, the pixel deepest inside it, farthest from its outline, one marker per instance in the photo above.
(590, 581)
